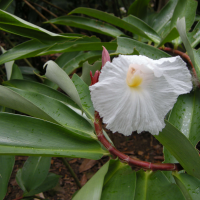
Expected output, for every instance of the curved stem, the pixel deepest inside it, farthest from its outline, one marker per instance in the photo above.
(127, 159)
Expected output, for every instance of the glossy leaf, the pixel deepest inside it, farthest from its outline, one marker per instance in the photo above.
(184, 8)
(56, 111)
(41, 89)
(16, 73)
(70, 61)
(128, 46)
(185, 116)
(86, 71)
(139, 8)
(189, 185)
(187, 9)
(192, 53)
(181, 148)
(28, 70)
(11, 99)
(8, 66)
(93, 188)
(161, 19)
(80, 59)
(6, 167)
(36, 48)
(154, 185)
(33, 173)
(143, 26)
(50, 182)
(195, 35)
(120, 184)
(87, 24)
(13, 24)
(32, 136)
(57, 75)
(84, 95)
(118, 22)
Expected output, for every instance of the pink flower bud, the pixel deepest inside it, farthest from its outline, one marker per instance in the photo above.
(95, 78)
(105, 56)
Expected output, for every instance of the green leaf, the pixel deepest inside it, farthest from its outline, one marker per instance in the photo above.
(36, 48)
(184, 8)
(58, 76)
(31, 136)
(6, 167)
(195, 35)
(80, 59)
(28, 70)
(187, 9)
(121, 184)
(161, 19)
(16, 73)
(34, 172)
(5, 4)
(58, 112)
(8, 65)
(12, 70)
(128, 46)
(117, 22)
(11, 99)
(70, 61)
(181, 148)
(139, 8)
(185, 116)
(155, 185)
(84, 95)
(86, 71)
(181, 27)
(50, 182)
(143, 26)
(93, 188)
(189, 185)
(13, 24)
(42, 89)
(87, 24)
(191, 52)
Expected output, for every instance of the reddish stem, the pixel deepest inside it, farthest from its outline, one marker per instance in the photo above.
(127, 159)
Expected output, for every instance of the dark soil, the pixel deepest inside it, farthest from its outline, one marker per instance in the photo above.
(142, 146)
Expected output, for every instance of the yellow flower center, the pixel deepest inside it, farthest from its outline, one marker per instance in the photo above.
(133, 77)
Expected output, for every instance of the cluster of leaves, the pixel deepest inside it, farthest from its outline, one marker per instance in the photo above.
(61, 125)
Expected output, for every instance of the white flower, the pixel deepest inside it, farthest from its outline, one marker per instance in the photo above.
(134, 93)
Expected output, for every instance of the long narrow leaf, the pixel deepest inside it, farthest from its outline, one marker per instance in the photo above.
(6, 167)
(13, 24)
(181, 148)
(87, 24)
(31, 136)
(118, 22)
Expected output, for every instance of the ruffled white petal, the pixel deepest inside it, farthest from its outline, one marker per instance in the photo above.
(126, 109)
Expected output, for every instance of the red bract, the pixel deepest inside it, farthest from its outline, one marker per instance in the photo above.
(95, 78)
(105, 56)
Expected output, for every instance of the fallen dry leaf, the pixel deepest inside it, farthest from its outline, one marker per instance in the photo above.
(87, 164)
(83, 180)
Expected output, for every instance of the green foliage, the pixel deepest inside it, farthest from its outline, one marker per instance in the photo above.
(61, 123)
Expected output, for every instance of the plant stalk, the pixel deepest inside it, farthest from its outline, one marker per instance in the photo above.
(126, 158)
(67, 165)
